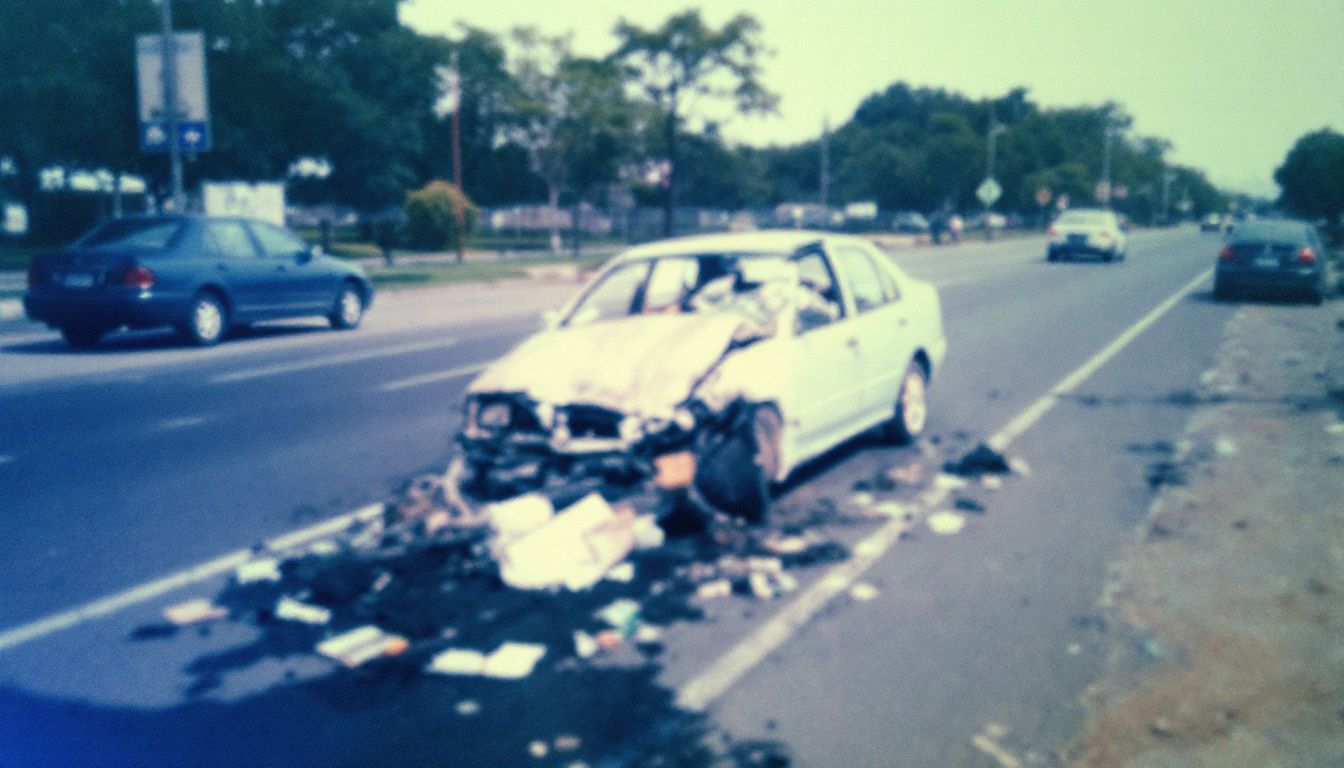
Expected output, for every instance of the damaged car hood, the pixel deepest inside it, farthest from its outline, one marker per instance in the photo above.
(644, 365)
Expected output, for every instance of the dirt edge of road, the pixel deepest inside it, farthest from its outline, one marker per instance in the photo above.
(1223, 623)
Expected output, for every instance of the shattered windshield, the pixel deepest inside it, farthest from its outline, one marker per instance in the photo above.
(753, 285)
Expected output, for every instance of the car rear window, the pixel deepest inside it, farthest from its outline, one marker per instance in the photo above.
(1085, 218)
(1271, 231)
(132, 233)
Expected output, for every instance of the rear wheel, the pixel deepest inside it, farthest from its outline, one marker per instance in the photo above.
(912, 409)
(348, 310)
(1220, 291)
(206, 322)
(82, 336)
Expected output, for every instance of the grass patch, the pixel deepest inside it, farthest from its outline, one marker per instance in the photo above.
(437, 274)
(15, 256)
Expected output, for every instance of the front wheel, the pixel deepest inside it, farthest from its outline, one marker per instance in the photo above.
(912, 408)
(207, 321)
(348, 310)
(736, 470)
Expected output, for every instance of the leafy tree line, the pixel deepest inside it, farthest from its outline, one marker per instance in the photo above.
(344, 82)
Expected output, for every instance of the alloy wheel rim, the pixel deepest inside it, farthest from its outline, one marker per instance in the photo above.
(350, 307)
(914, 411)
(207, 319)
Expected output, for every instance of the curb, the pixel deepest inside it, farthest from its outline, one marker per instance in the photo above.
(11, 309)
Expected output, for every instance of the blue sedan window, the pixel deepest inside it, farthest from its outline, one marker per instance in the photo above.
(229, 239)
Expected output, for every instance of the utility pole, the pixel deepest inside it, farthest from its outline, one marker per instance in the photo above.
(995, 128)
(1167, 178)
(457, 160)
(825, 162)
(170, 102)
(1106, 161)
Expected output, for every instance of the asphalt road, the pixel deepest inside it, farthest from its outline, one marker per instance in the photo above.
(142, 458)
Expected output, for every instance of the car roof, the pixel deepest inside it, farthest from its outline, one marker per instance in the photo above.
(1260, 228)
(766, 241)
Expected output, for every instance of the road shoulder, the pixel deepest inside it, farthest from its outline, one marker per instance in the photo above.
(1225, 619)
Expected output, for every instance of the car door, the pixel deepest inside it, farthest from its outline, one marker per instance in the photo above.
(232, 259)
(300, 284)
(880, 326)
(827, 368)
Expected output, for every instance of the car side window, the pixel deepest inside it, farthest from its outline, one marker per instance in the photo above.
(228, 239)
(863, 279)
(613, 297)
(276, 242)
(819, 298)
(671, 281)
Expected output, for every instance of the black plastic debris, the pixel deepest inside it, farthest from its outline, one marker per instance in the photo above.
(969, 505)
(982, 460)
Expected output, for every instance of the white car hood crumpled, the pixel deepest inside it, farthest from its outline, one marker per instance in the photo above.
(644, 365)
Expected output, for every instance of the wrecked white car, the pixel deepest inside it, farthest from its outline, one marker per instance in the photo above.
(706, 369)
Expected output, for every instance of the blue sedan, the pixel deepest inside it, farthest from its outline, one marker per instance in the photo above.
(198, 274)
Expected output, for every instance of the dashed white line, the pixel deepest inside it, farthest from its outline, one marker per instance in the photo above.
(6, 459)
(111, 604)
(433, 378)
(182, 422)
(343, 358)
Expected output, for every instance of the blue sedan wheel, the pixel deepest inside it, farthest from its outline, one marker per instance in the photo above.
(207, 321)
(349, 308)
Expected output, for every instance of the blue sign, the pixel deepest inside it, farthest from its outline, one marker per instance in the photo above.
(192, 136)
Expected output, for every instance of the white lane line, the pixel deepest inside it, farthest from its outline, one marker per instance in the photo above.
(26, 633)
(434, 378)
(708, 686)
(1025, 420)
(326, 360)
(10, 309)
(183, 422)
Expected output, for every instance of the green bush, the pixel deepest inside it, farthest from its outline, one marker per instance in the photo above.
(432, 219)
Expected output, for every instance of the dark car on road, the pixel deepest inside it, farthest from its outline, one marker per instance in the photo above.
(1271, 254)
(201, 275)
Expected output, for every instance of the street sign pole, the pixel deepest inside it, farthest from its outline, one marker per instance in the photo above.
(170, 103)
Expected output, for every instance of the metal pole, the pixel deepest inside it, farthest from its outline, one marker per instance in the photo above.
(825, 162)
(1167, 178)
(457, 161)
(1106, 162)
(170, 102)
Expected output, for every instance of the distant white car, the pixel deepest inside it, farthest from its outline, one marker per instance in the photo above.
(708, 368)
(1086, 231)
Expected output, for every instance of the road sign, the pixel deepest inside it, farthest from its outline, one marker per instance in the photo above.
(988, 191)
(193, 109)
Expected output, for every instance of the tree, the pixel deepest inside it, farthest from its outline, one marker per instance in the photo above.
(684, 62)
(1311, 179)
(433, 214)
(571, 117)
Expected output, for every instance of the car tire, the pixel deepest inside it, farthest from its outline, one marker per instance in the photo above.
(348, 309)
(1108, 256)
(1316, 296)
(735, 470)
(912, 409)
(1220, 291)
(82, 336)
(206, 322)
(1051, 256)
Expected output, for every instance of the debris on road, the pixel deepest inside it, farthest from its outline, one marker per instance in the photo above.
(946, 482)
(966, 504)
(991, 482)
(863, 592)
(982, 460)
(458, 661)
(513, 661)
(573, 549)
(290, 609)
(198, 611)
(712, 590)
(946, 523)
(911, 475)
(362, 645)
(264, 569)
(987, 742)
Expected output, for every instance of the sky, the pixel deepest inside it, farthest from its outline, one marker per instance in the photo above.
(1231, 83)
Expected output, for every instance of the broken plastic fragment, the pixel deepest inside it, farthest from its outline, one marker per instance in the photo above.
(1019, 466)
(910, 474)
(760, 586)
(991, 482)
(1225, 447)
(863, 592)
(609, 640)
(621, 615)
(361, 645)
(261, 569)
(290, 609)
(647, 533)
(323, 548)
(623, 573)
(566, 743)
(467, 707)
(946, 523)
(861, 499)
(520, 515)
(647, 633)
(538, 749)
(711, 590)
(786, 545)
(572, 550)
(946, 482)
(889, 509)
(513, 661)
(458, 661)
(195, 611)
(585, 645)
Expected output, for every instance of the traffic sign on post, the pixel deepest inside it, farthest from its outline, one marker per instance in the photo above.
(193, 109)
(988, 192)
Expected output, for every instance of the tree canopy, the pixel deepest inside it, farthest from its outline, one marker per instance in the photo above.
(1311, 179)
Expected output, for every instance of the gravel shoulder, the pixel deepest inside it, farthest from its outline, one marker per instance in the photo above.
(1225, 619)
